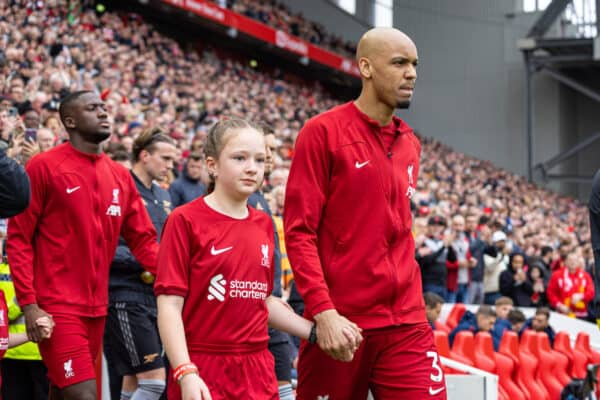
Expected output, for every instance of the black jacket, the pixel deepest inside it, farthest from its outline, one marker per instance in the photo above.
(433, 266)
(185, 189)
(520, 293)
(125, 284)
(14, 187)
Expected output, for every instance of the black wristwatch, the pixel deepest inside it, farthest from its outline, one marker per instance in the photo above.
(312, 337)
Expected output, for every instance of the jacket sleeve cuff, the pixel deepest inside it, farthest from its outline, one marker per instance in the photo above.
(319, 302)
(26, 300)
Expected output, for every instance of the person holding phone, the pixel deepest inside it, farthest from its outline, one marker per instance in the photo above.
(31, 121)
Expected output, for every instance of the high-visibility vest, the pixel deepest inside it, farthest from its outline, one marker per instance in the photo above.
(26, 351)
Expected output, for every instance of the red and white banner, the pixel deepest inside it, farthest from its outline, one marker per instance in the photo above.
(283, 40)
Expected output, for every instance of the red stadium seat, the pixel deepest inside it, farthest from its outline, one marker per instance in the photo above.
(560, 361)
(502, 395)
(496, 363)
(546, 364)
(440, 326)
(526, 343)
(441, 343)
(562, 344)
(505, 368)
(455, 315)
(528, 367)
(577, 360)
(443, 348)
(582, 344)
(464, 345)
(484, 352)
(509, 346)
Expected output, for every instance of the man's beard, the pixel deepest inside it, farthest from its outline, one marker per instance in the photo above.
(403, 105)
(97, 137)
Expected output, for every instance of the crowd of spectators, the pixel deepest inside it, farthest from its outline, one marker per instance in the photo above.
(281, 17)
(490, 231)
(519, 236)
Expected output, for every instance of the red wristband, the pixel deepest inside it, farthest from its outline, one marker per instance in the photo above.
(183, 370)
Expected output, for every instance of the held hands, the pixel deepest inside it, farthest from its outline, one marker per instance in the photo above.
(194, 388)
(39, 323)
(337, 336)
(46, 325)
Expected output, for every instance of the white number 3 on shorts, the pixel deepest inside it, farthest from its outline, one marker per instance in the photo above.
(437, 375)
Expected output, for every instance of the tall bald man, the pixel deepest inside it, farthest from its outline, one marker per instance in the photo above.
(348, 234)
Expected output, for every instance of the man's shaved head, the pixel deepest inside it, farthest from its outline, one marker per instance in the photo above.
(387, 59)
(377, 41)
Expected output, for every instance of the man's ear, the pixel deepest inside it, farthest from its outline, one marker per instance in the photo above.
(69, 123)
(364, 65)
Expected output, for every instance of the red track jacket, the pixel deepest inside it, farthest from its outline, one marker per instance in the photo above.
(347, 218)
(61, 247)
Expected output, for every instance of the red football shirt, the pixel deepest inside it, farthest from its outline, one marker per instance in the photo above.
(223, 267)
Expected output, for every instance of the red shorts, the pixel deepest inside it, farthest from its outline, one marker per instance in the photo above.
(234, 377)
(394, 363)
(71, 351)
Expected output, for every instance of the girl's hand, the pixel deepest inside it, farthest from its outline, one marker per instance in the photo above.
(194, 388)
(47, 325)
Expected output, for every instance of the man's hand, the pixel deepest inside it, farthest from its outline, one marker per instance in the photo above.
(424, 251)
(561, 308)
(449, 238)
(576, 298)
(337, 336)
(35, 331)
(30, 149)
(16, 145)
(472, 262)
(520, 276)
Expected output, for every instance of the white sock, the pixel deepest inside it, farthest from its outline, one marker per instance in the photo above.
(149, 389)
(286, 392)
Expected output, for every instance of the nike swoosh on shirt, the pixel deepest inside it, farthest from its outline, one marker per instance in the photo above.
(433, 391)
(71, 190)
(216, 252)
(360, 165)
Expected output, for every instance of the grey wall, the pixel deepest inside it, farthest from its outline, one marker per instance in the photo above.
(470, 86)
(335, 19)
(470, 90)
(586, 122)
